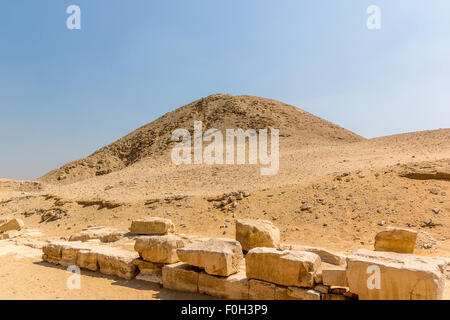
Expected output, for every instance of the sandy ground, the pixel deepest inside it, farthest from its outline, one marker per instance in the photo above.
(31, 279)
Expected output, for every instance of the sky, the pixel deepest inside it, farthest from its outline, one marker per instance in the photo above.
(66, 93)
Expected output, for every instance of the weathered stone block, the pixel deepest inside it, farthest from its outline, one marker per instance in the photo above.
(282, 293)
(104, 234)
(288, 268)
(152, 226)
(159, 249)
(221, 257)
(304, 294)
(118, 262)
(52, 250)
(261, 290)
(148, 271)
(234, 287)
(12, 224)
(334, 277)
(376, 275)
(257, 233)
(396, 240)
(87, 259)
(181, 277)
(325, 255)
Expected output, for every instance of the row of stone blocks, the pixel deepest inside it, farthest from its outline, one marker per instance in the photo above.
(217, 266)
(105, 259)
(181, 276)
(267, 273)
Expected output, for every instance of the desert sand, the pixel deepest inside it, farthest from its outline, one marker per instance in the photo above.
(334, 189)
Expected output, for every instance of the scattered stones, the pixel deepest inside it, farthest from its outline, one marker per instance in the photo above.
(436, 210)
(305, 207)
(394, 239)
(52, 215)
(425, 241)
(401, 277)
(221, 257)
(228, 202)
(152, 226)
(429, 223)
(288, 268)
(434, 191)
(159, 249)
(257, 233)
(30, 213)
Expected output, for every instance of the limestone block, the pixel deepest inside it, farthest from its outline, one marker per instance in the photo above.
(398, 240)
(180, 277)
(234, 287)
(152, 226)
(12, 224)
(159, 249)
(221, 257)
(116, 261)
(378, 275)
(288, 268)
(257, 233)
(334, 277)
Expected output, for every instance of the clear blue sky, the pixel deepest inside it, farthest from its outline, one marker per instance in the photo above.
(65, 93)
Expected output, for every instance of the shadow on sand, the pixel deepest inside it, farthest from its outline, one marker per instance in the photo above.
(161, 293)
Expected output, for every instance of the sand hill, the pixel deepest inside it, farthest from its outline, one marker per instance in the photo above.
(216, 111)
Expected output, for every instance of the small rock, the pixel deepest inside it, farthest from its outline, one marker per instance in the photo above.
(434, 191)
(305, 207)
